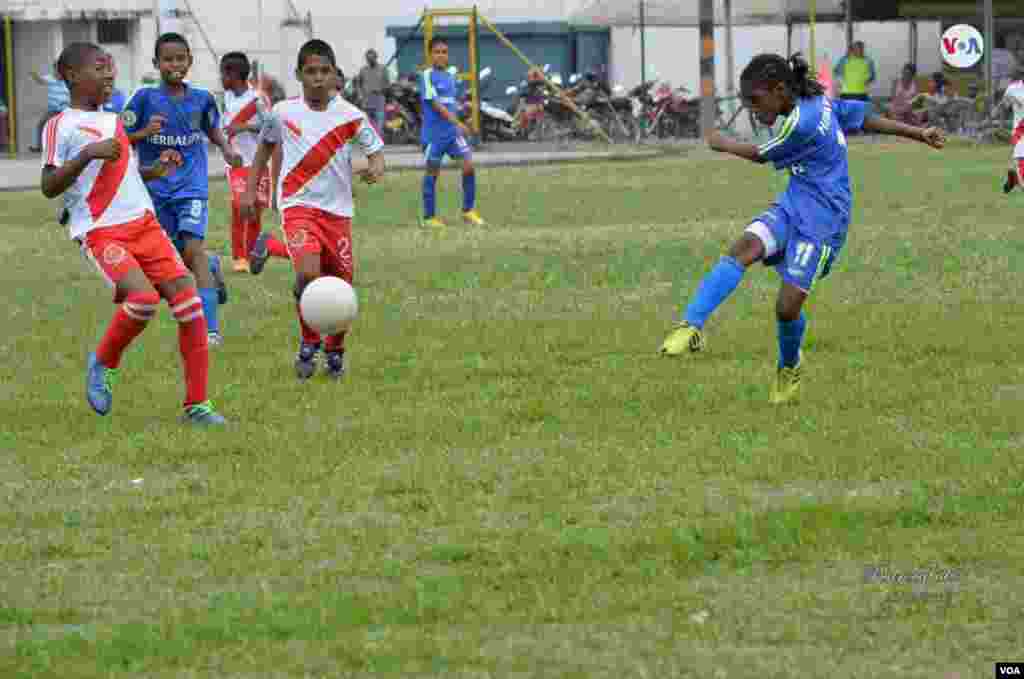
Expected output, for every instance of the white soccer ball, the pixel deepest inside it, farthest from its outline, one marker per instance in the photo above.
(329, 305)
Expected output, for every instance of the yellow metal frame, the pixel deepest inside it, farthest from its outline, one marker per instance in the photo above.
(12, 117)
(475, 21)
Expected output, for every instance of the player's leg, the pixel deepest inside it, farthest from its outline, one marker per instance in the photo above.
(192, 221)
(433, 155)
(806, 261)
(337, 261)
(761, 240)
(137, 300)
(306, 248)
(237, 177)
(1014, 175)
(462, 149)
(263, 244)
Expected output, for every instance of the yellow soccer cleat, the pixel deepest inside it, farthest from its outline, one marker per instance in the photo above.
(240, 266)
(684, 339)
(434, 223)
(787, 384)
(473, 217)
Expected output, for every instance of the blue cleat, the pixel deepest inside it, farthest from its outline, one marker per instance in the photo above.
(335, 364)
(305, 361)
(98, 382)
(218, 279)
(202, 415)
(259, 254)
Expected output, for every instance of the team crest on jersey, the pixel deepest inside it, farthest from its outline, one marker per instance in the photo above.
(129, 118)
(297, 239)
(114, 254)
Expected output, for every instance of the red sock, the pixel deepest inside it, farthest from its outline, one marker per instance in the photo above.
(195, 354)
(277, 249)
(238, 234)
(309, 335)
(129, 320)
(252, 232)
(335, 342)
(1011, 178)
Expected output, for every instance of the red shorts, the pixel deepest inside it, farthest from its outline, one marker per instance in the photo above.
(141, 244)
(309, 231)
(237, 179)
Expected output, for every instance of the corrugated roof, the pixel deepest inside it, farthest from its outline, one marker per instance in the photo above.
(51, 10)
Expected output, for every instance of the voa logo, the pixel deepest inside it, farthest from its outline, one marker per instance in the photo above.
(1008, 670)
(962, 46)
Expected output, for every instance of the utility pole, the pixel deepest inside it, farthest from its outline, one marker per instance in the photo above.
(643, 41)
(707, 65)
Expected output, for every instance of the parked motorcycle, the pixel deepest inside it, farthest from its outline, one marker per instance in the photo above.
(403, 119)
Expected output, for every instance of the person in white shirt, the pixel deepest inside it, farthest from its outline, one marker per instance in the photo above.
(88, 158)
(1014, 98)
(315, 133)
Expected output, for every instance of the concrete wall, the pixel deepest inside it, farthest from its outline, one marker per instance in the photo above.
(36, 46)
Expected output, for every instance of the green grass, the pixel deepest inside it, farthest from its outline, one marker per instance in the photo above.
(510, 482)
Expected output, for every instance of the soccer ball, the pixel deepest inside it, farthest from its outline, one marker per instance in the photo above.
(329, 305)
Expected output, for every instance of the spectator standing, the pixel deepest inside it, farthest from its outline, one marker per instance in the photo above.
(857, 73)
(58, 98)
(373, 82)
(904, 90)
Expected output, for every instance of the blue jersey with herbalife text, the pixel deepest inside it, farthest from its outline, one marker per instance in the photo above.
(442, 87)
(812, 146)
(188, 121)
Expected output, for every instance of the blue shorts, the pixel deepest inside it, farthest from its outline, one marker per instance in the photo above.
(183, 218)
(454, 147)
(800, 258)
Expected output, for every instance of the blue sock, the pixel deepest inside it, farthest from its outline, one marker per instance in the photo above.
(791, 336)
(716, 287)
(429, 196)
(210, 304)
(468, 192)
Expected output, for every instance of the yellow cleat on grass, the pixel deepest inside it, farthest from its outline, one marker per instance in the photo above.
(434, 223)
(787, 384)
(240, 266)
(473, 217)
(685, 339)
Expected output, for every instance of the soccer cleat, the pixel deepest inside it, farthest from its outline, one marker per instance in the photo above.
(259, 254)
(202, 415)
(99, 382)
(218, 279)
(335, 364)
(684, 339)
(305, 361)
(240, 266)
(63, 216)
(214, 339)
(473, 217)
(787, 383)
(434, 223)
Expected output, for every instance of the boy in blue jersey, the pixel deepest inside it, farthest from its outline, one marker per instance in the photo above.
(802, 234)
(444, 135)
(175, 115)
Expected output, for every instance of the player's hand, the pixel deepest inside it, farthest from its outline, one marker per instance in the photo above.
(934, 137)
(714, 139)
(169, 161)
(232, 158)
(108, 149)
(463, 128)
(155, 125)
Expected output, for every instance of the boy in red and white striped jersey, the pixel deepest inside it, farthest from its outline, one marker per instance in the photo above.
(88, 158)
(245, 110)
(315, 133)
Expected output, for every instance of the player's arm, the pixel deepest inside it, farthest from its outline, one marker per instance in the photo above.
(932, 136)
(722, 144)
(167, 163)
(270, 139)
(373, 146)
(133, 116)
(213, 131)
(429, 96)
(56, 179)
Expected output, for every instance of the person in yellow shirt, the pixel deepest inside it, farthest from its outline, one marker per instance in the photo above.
(857, 73)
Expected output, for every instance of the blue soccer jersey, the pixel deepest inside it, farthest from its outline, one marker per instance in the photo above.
(812, 146)
(188, 121)
(442, 87)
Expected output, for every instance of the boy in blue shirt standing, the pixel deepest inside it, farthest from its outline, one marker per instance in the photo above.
(176, 115)
(444, 135)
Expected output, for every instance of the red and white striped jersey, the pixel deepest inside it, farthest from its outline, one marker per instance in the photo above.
(1015, 95)
(248, 108)
(317, 153)
(108, 192)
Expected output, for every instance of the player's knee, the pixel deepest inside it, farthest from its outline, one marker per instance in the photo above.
(789, 304)
(747, 250)
(141, 305)
(177, 286)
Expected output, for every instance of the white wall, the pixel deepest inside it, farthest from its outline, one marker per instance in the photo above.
(37, 45)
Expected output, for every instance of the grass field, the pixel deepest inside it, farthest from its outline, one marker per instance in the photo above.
(510, 482)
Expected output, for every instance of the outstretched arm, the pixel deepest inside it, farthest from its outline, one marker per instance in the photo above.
(932, 136)
(722, 144)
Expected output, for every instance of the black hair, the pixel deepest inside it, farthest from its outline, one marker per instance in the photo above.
(910, 67)
(170, 39)
(74, 56)
(437, 40)
(237, 64)
(795, 73)
(316, 48)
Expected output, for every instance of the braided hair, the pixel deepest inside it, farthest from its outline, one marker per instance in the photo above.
(795, 73)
